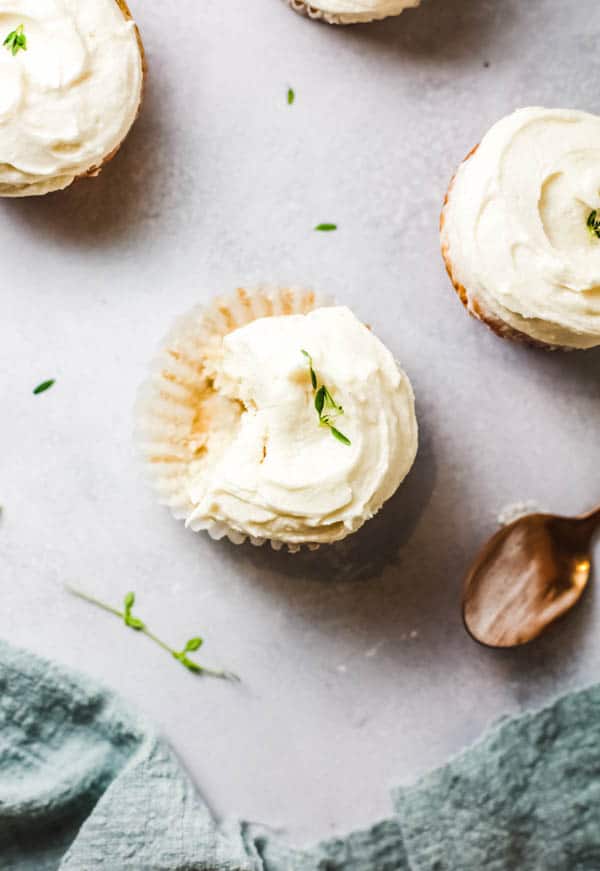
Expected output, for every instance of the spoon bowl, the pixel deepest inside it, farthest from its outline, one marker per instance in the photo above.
(529, 574)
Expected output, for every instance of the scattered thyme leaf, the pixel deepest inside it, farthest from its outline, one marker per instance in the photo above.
(325, 405)
(16, 40)
(137, 624)
(291, 96)
(326, 228)
(45, 385)
(593, 224)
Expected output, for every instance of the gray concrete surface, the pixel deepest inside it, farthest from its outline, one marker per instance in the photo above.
(357, 673)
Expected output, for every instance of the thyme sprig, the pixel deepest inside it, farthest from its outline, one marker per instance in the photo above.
(139, 626)
(326, 406)
(16, 40)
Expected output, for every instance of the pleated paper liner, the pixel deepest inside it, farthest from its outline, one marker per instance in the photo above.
(178, 409)
(311, 11)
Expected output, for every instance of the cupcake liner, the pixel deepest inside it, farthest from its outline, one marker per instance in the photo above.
(303, 7)
(475, 306)
(174, 406)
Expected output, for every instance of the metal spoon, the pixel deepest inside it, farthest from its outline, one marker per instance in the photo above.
(528, 575)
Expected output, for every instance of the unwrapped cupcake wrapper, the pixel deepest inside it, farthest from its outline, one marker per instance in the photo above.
(167, 409)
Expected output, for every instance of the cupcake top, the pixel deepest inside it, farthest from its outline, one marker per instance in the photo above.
(314, 430)
(69, 95)
(355, 11)
(522, 224)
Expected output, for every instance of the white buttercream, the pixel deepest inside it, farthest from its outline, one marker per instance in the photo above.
(68, 101)
(273, 472)
(357, 11)
(515, 225)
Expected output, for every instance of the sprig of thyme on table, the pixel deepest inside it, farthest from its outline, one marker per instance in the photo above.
(139, 626)
(326, 406)
(16, 40)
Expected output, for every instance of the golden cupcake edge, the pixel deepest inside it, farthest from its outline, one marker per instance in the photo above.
(473, 305)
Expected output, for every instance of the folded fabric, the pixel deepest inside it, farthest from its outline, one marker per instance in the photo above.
(87, 784)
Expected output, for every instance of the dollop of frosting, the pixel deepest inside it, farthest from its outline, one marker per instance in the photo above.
(515, 226)
(355, 11)
(275, 472)
(68, 101)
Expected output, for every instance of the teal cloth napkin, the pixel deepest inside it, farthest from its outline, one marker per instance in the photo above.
(87, 784)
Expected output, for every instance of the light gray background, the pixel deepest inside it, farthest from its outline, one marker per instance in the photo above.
(356, 670)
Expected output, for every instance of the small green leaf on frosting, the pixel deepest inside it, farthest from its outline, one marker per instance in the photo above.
(16, 40)
(313, 376)
(340, 436)
(291, 96)
(320, 401)
(325, 405)
(45, 385)
(593, 224)
(326, 228)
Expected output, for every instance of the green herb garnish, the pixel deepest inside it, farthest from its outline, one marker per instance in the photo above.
(593, 224)
(326, 406)
(139, 626)
(326, 228)
(16, 40)
(45, 385)
(291, 96)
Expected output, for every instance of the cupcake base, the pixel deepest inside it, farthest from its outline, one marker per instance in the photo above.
(473, 304)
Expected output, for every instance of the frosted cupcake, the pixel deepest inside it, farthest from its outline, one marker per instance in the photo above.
(351, 11)
(520, 228)
(71, 75)
(273, 417)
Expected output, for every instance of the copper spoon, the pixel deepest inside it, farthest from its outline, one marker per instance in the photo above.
(528, 575)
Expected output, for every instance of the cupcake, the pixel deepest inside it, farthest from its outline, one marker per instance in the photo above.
(272, 416)
(351, 11)
(71, 76)
(520, 229)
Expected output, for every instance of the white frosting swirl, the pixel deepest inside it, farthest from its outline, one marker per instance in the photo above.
(515, 226)
(68, 101)
(277, 473)
(357, 11)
